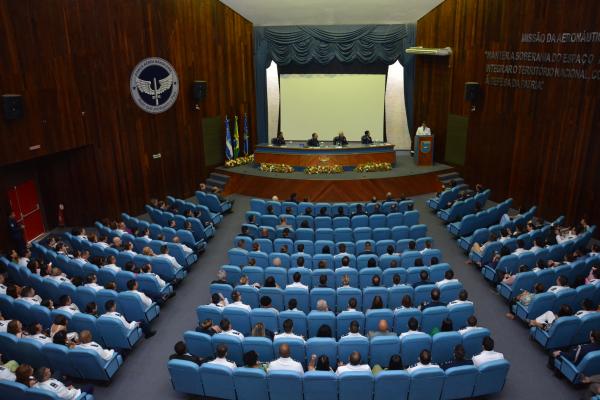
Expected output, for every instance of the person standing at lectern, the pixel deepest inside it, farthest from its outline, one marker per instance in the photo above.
(314, 140)
(340, 140)
(423, 130)
(279, 140)
(366, 138)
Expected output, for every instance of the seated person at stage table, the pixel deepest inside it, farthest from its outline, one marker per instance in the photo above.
(366, 138)
(340, 140)
(279, 140)
(423, 130)
(314, 140)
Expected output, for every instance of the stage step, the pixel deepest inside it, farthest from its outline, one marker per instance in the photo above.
(210, 182)
(219, 177)
(448, 176)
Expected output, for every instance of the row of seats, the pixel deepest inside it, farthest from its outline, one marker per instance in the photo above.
(254, 384)
(206, 215)
(391, 297)
(201, 229)
(310, 277)
(409, 218)
(439, 202)
(566, 331)
(407, 259)
(307, 325)
(483, 235)
(18, 391)
(460, 208)
(155, 231)
(574, 272)
(374, 351)
(279, 207)
(213, 203)
(469, 223)
(76, 363)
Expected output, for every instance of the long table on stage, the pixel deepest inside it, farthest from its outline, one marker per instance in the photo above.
(297, 154)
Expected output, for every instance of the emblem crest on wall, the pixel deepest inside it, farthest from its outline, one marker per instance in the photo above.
(154, 85)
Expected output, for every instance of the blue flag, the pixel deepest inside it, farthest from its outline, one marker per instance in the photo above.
(246, 135)
(228, 146)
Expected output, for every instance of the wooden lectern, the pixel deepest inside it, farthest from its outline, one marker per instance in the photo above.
(424, 149)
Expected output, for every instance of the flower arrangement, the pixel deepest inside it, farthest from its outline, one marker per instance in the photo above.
(239, 161)
(324, 169)
(373, 167)
(282, 168)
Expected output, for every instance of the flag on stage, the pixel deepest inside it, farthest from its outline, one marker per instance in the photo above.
(228, 147)
(236, 139)
(246, 135)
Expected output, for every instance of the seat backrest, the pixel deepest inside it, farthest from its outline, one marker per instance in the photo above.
(198, 344)
(285, 385)
(185, 377)
(460, 382)
(234, 346)
(491, 378)
(318, 318)
(13, 390)
(411, 346)
(58, 360)
(301, 296)
(327, 294)
(374, 316)
(239, 318)
(251, 384)
(322, 346)
(348, 344)
(355, 386)
(381, 348)
(432, 318)
(89, 364)
(262, 345)
(472, 341)
(268, 316)
(388, 382)
(426, 384)
(442, 346)
(320, 385)
(397, 293)
(217, 381)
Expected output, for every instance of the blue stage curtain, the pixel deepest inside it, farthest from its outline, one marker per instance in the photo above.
(305, 44)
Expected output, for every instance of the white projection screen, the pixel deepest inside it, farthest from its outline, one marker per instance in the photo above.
(329, 103)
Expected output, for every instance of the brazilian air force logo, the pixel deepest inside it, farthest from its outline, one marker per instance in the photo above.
(154, 85)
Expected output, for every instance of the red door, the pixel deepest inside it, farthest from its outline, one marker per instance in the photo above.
(24, 202)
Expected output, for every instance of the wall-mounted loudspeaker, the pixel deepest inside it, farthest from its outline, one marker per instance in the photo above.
(472, 92)
(199, 90)
(12, 106)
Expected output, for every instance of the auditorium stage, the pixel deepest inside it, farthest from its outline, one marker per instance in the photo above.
(405, 178)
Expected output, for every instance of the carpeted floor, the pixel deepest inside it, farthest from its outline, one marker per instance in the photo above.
(144, 374)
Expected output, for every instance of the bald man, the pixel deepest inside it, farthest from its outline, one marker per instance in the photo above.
(382, 330)
(353, 365)
(285, 362)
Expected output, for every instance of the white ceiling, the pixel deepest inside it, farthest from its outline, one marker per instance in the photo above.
(331, 12)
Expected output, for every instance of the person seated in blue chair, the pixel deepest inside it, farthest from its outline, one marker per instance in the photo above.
(488, 354)
(435, 300)
(382, 330)
(182, 354)
(413, 329)
(424, 362)
(111, 312)
(366, 138)
(221, 357)
(424, 275)
(575, 354)
(368, 250)
(285, 362)
(340, 140)
(45, 381)
(279, 140)
(395, 364)
(353, 365)
(288, 326)
(86, 342)
(459, 358)
(314, 140)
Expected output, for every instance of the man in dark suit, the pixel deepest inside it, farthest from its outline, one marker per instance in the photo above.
(340, 140)
(279, 140)
(16, 231)
(435, 300)
(576, 353)
(314, 140)
(182, 354)
(366, 138)
(459, 358)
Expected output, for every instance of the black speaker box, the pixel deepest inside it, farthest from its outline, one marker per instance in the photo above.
(12, 106)
(199, 90)
(471, 91)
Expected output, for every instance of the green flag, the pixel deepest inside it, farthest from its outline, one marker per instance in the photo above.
(236, 139)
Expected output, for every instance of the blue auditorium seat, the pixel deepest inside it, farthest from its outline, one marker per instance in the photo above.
(320, 385)
(285, 385)
(460, 382)
(382, 347)
(392, 384)
(198, 344)
(217, 381)
(426, 384)
(186, 377)
(355, 386)
(251, 383)
(491, 378)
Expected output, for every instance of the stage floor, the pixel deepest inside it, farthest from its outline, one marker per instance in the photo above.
(405, 166)
(406, 179)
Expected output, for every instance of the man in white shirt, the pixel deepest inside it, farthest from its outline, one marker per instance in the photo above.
(423, 130)
(462, 299)
(66, 304)
(57, 275)
(82, 258)
(520, 247)
(36, 333)
(236, 298)
(2, 285)
(111, 312)
(424, 362)
(3, 323)
(46, 382)
(471, 325)
(354, 365)
(354, 330)
(187, 250)
(587, 307)
(488, 354)
(111, 264)
(24, 259)
(297, 281)
(92, 282)
(227, 329)
(128, 249)
(285, 362)
(448, 278)
(85, 342)
(28, 295)
(342, 251)
(413, 328)
(221, 357)
(561, 284)
(147, 270)
(218, 300)
(288, 326)
(164, 253)
(6, 375)
(132, 285)
(102, 242)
